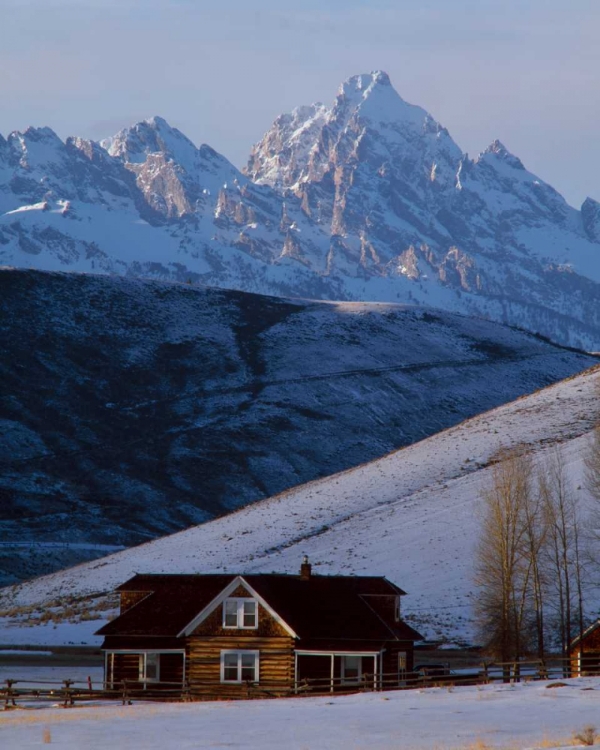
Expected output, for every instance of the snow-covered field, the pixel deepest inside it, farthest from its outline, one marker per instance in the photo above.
(496, 716)
(411, 516)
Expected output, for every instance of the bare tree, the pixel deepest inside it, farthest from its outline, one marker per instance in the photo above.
(535, 539)
(592, 464)
(592, 482)
(563, 547)
(503, 567)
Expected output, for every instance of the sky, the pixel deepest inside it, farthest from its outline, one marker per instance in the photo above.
(524, 71)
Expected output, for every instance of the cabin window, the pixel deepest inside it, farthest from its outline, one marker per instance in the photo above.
(149, 667)
(240, 613)
(397, 609)
(239, 666)
(351, 669)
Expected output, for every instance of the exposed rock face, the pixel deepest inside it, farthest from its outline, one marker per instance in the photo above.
(590, 215)
(366, 199)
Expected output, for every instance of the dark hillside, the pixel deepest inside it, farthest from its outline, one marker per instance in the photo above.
(130, 409)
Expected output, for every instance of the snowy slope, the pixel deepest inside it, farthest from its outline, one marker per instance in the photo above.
(367, 199)
(136, 408)
(411, 516)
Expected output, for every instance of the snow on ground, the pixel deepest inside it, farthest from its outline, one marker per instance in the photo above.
(49, 633)
(496, 716)
(411, 516)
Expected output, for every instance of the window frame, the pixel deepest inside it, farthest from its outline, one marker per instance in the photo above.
(351, 680)
(239, 653)
(143, 667)
(240, 601)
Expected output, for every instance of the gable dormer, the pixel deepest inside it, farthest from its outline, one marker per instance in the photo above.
(239, 611)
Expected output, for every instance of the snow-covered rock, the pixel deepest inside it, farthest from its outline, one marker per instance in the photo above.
(366, 199)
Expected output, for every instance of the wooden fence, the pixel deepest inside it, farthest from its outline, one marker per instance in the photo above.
(15, 693)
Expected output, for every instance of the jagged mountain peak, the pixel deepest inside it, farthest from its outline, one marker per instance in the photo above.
(365, 82)
(499, 150)
(372, 96)
(150, 136)
(22, 140)
(35, 147)
(302, 145)
(37, 135)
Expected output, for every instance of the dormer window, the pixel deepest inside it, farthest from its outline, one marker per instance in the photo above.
(240, 613)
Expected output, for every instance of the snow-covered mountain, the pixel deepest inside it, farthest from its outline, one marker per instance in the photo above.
(411, 515)
(130, 409)
(366, 199)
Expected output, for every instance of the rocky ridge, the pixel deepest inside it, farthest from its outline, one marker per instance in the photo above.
(366, 199)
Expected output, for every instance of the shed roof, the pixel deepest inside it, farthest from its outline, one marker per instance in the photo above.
(321, 608)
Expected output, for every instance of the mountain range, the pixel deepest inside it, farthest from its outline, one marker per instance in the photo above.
(132, 408)
(368, 198)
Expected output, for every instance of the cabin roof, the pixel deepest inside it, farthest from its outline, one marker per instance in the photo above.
(588, 631)
(318, 608)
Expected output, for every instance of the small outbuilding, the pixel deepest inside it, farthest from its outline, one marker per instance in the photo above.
(585, 651)
(222, 634)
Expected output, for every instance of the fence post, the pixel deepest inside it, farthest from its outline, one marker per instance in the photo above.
(10, 694)
(126, 700)
(486, 674)
(68, 693)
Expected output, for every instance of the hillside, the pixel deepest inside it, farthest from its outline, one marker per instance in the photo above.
(132, 409)
(411, 516)
(368, 198)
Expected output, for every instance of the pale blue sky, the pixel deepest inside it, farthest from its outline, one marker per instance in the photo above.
(524, 71)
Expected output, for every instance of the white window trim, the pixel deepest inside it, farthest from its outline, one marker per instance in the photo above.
(143, 665)
(352, 680)
(238, 653)
(239, 600)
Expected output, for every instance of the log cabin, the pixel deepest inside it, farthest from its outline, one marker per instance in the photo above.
(221, 634)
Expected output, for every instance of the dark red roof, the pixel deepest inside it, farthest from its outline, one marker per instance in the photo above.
(322, 608)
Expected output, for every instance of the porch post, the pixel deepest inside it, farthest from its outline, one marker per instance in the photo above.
(296, 672)
(332, 671)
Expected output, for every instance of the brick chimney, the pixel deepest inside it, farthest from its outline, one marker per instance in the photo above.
(305, 569)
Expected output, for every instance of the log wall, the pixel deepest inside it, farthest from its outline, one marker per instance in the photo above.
(203, 664)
